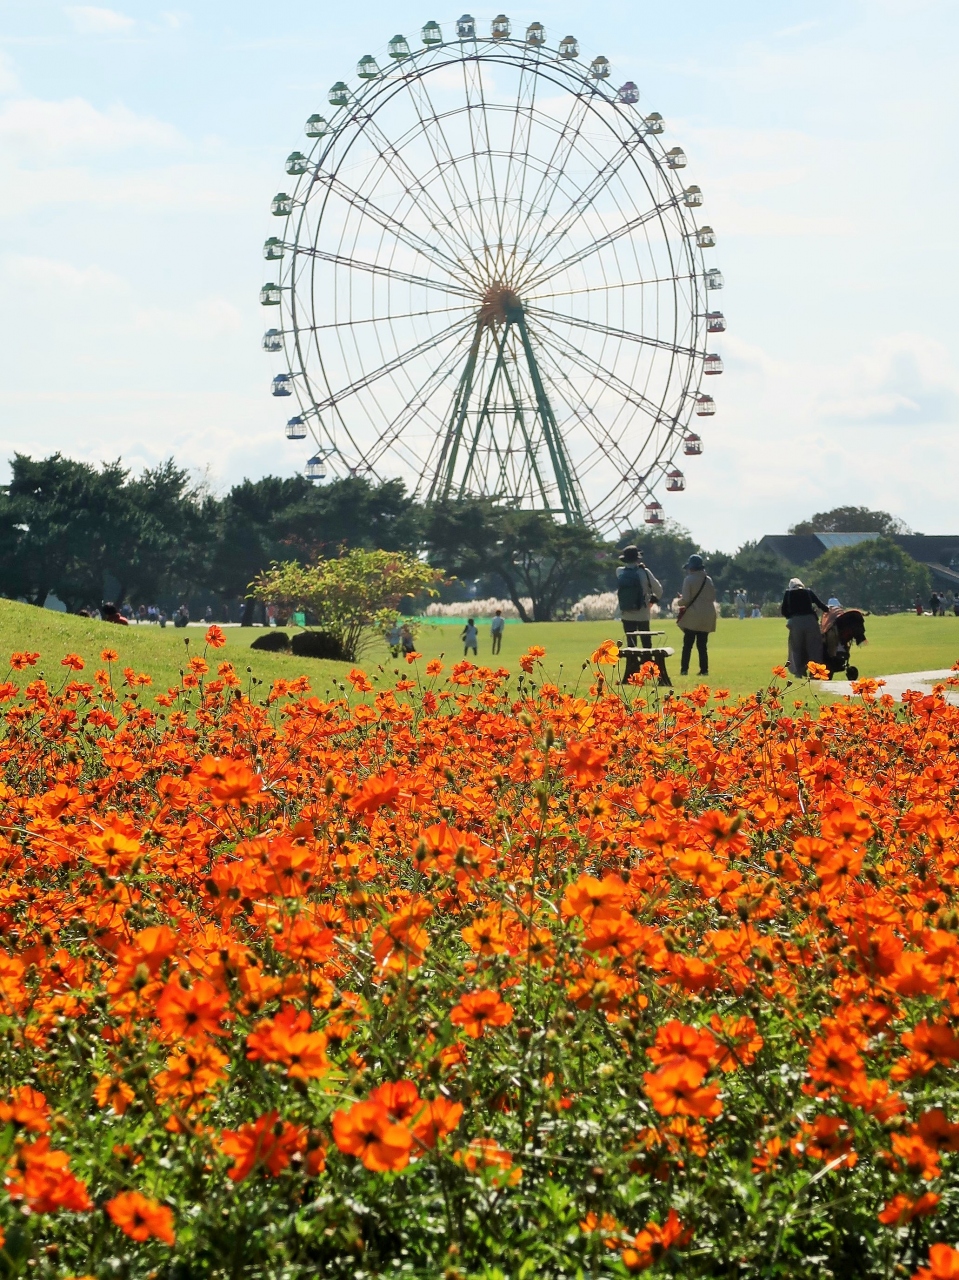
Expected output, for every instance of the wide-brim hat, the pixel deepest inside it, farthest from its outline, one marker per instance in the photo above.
(630, 553)
(694, 562)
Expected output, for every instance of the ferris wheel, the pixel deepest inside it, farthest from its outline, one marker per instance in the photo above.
(491, 280)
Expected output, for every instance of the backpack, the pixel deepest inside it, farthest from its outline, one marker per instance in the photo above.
(631, 588)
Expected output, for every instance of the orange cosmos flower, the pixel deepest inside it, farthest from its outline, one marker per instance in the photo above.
(113, 1093)
(943, 1264)
(485, 936)
(902, 1209)
(676, 1089)
(27, 1109)
(531, 657)
(375, 793)
(607, 655)
(366, 1131)
(73, 661)
(588, 897)
(20, 661)
(228, 781)
(437, 1120)
(834, 1061)
(194, 1013)
(140, 1218)
(676, 1040)
(287, 1038)
(484, 1155)
(479, 1010)
(586, 763)
(115, 848)
(270, 1143)
(359, 680)
(655, 1240)
(215, 637)
(109, 655)
(434, 667)
(41, 1178)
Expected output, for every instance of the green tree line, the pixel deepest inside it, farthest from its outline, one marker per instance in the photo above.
(88, 532)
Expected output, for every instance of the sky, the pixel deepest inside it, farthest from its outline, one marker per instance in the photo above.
(140, 147)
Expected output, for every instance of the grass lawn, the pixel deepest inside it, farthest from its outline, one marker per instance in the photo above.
(742, 654)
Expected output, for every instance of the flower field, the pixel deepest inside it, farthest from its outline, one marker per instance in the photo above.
(454, 979)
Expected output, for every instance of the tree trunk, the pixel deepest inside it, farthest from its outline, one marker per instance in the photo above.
(246, 618)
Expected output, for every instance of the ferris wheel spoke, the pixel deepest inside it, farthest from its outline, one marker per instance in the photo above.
(601, 374)
(384, 319)
(429, 344)
(556, 165)
(417, 402)
(393, 225)
(520, 141)
(585, 199)
(611, 332)
(549, 271)
(602, 437)
(413, 184)
(431, 125)
(605, 288)
(378, 269)
(481, 146)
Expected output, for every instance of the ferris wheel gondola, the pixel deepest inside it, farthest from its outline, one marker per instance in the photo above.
(492, 279)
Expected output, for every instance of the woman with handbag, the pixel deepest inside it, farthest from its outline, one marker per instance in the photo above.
(696, 615)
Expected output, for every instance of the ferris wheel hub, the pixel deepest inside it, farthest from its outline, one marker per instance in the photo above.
(500, 303)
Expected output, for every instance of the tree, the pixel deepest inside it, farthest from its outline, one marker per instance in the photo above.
(851, 520)
(875, 575)
(350, 594)
(536, 557)
(68, 526)
(761, 574)
(261, 521)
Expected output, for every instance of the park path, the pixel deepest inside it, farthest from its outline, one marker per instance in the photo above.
(897, 685)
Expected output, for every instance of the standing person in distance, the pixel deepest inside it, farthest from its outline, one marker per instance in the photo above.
(496, 629)
(697, 614)
(805, 636)
(470, 637)
(637, 588)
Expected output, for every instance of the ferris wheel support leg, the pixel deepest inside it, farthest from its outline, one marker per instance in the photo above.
(572, 508)
(446, 466)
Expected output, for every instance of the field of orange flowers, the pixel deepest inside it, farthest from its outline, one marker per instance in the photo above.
(450, 979)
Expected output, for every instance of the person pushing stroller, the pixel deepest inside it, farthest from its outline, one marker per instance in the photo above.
(805, 637)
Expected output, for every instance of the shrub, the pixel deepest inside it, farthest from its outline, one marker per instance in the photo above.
(474, 980)
(350, 596)
(272, 641)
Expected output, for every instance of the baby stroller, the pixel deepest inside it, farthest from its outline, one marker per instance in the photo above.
(841, 629)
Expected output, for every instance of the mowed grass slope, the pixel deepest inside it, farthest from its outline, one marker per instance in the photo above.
(742, 654)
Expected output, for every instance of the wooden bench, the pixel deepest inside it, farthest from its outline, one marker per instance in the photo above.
(636, 655)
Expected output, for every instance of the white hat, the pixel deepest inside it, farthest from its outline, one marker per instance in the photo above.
(794, 582)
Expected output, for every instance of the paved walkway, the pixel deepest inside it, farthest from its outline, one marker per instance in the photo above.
(897, 685)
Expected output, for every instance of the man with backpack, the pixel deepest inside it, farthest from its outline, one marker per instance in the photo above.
(637, 588)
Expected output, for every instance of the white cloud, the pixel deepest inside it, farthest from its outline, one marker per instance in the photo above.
(37, 128)
(37, 272)
(9, 81)
(91, 20)
(208, 318)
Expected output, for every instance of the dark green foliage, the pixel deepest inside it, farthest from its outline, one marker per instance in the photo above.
(875, 575)
(536, 557)
(70, 527)
(761, 574)
(851, 520)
